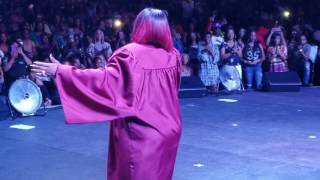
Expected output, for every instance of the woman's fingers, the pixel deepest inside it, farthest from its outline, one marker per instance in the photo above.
(36, 66)
(53, 60)
(37, 70)
(41, 64)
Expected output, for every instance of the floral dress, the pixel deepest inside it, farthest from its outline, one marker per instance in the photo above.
(276, 63)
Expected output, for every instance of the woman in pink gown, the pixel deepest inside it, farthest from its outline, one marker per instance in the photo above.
(137, 92)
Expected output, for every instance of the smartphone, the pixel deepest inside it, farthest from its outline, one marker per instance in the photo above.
(14, 48)
(277, 29)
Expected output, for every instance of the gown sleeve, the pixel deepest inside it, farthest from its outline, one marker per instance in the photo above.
(96, 95)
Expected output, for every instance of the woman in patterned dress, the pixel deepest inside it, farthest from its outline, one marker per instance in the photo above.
(209, 57)
(277, 52)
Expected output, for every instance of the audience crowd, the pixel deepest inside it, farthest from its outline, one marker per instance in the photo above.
(85, 33)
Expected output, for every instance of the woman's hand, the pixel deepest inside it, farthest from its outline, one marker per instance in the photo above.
(45, 69)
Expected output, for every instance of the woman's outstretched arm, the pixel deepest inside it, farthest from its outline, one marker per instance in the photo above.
(95, 95)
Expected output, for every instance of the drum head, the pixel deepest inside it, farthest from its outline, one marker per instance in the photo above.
(25, 96)
(230, 78)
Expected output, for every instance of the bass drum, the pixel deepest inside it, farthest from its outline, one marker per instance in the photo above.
(230, 78)
(25, 96)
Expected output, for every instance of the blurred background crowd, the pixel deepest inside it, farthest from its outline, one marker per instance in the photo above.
(253, 36)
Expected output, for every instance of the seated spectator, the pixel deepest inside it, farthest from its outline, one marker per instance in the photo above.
(209, 71)
(44, 48)
(277, 52)
(231, 51)
(16, 67)
(303, 60)
(186, 70)
(44, 90)
(74, 47)
(4, 46)
(177, 42)
(76, 62)
(1, 75)
(28, 45)
(121, 39)
(109, 30)
(78, 27)
(100, 46)
(99, 62)
(35, 35)
(66, 62)
(253, 56)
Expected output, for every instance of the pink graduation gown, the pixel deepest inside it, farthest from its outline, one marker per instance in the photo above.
(138, 91)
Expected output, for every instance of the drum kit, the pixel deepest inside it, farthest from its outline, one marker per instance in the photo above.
(25, 98)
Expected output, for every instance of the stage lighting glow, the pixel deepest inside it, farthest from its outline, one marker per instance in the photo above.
(286, 14)
(31, 6)
(117, 23)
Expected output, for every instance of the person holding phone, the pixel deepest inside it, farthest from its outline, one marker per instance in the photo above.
(277, 52)
(17, 66)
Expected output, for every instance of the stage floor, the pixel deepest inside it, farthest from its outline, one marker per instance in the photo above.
(262, 136)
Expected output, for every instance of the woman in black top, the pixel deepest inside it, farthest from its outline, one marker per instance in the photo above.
(253, 56)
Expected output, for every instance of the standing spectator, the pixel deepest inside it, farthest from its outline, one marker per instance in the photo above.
(241, 37)
(253, 56)
(262, 33)
(193, 50)
(292, 47)
(277, 52)
(209, 71)
(217, 39)
(304, 62)
(231, 51)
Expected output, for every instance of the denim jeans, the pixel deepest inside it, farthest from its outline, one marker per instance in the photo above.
(253, 72)
(306, 72)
